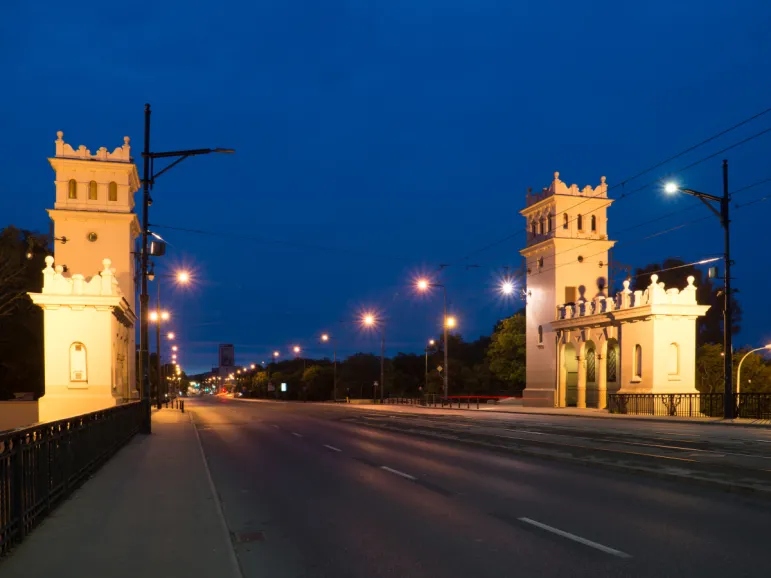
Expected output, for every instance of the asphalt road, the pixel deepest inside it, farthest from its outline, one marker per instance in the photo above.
(313, 490)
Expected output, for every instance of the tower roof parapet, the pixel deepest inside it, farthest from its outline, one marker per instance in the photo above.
(121, 154)
(102, 284)
(558, 187)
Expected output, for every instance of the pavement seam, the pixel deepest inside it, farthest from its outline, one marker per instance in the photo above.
(237, 571)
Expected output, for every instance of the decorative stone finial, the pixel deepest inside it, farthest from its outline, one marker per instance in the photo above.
(49, 261)
(59, 134)
(691, 279)
(626, 284)
(126, 140)
(106, 263)
(556, 175)
(602, 180)
(654, 278)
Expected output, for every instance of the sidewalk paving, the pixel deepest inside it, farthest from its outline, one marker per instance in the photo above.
(150, 511)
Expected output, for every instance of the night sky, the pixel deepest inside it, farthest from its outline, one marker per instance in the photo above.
(376, 140)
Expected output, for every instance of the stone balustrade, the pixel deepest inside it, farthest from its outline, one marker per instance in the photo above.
(56, 283)
(655, 294)
(120, 154)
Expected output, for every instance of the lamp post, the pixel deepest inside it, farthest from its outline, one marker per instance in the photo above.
(431, 343)
(723, 215)
(148, 179)
(325, 338)
(369, 320)
(447, 322)
(739, 369)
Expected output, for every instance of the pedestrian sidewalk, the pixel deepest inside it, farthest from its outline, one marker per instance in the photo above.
(151, 510)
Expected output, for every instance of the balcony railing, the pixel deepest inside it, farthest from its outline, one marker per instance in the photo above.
(42, 464)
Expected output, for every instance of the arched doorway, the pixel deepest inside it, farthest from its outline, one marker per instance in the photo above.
(592, 391)
(569, 376)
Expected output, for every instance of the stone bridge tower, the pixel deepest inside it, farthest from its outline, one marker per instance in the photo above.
(566, 261)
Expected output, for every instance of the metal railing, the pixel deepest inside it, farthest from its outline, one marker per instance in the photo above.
(437, 400)
(748, 405)
(42, 464)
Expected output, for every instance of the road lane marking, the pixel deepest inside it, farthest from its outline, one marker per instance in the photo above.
(274, 425)
(575, 538)
(295, 434)
(398, 473)
(333, 448)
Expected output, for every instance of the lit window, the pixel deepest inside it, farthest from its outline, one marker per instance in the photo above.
(532, 228)
(638, 361)
(594, 223)
(674, 359)
(540, 334)
(548, 222)
(580, 221)
(72, 191)
(78, 370)
(565, 221)
(92, 194)
(540, 226)
(113, 194)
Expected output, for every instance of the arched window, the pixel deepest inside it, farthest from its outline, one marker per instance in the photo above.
(594, 223)
(540, 226)
(591, 365)
(612, 363)
(72, 190)
(540, 334)
(92, 193)
(113, 191)
(580, 221)
(548, 222)
(638, 361)
(532, 228)
(565, 221)
(78, 365)
(673, 361)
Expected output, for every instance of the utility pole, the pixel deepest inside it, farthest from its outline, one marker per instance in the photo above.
(728, 407)
(144, 298)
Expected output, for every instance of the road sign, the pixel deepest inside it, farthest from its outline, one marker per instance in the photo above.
(439, 368)
(283, 387)
(376, 384)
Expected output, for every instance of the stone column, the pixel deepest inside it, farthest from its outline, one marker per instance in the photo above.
(562, 384)
(581, 389)
(601, 368)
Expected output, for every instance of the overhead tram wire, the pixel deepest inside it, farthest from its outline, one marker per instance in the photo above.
(649, 169)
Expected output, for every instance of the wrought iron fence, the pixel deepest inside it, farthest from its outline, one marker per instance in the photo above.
(43, 464)
(748, 405)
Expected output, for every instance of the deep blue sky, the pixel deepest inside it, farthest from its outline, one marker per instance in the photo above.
(400, 133)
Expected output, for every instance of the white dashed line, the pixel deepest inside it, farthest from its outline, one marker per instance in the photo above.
(274, 425)
(333, 448)
(398, 473)
(295, 434)
(579, 539)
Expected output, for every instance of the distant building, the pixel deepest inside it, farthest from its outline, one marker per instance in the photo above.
(227, 360)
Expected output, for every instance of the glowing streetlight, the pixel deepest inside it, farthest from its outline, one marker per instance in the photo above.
(671, 188)
(252, 366)
(171, 335)
(370, 320)
(296, 349)
(174, 356)
(507, 287)
(183, 277)
(423, 285)
(174, 348)
(450, 322)
(325, 337)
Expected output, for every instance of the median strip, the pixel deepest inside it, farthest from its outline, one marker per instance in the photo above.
(579, 539)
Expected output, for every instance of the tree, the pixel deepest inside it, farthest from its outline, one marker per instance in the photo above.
(756, 370)
(319, 381)
(506, 353)
(22, 362)
(709, 328)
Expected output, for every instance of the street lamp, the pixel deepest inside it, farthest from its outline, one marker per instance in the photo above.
(431, 343)
(371, 321)
(507, 287)
(723, 215)
(148, 180)
(181, 278)
(739, 370)
(325, 338)
(424, 285)
(171, 335)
